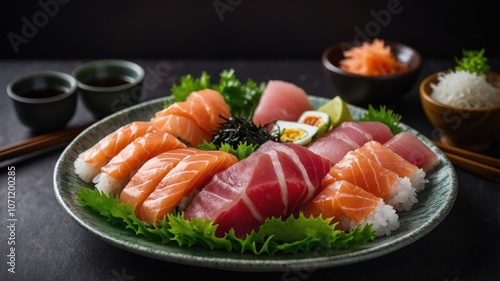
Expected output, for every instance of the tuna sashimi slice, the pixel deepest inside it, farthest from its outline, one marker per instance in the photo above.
(192, 172)
(350, 205)
(413, 150)
(89, 163)
(376, 131)
(281, 100)
(274, 181)
(331, 148)
(121, 168)
(150, 174)
(350, 135)
(358, 133)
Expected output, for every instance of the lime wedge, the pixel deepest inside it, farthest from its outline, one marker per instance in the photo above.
(338, 111)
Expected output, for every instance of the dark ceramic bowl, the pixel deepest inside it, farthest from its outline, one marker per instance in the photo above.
(363, 90)
(44, 101)
(107, 86)
(469, 128)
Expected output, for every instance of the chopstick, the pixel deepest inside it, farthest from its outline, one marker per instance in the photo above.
(485, 166)
(481, 158)
(40, 142)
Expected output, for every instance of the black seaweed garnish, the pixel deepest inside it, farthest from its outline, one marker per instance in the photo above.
(235, 130)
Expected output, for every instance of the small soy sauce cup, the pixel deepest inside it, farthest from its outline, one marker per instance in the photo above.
(109, 85)
(44, 101)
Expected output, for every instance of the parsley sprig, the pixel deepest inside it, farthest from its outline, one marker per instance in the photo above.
(384, 115)
(242, 98)
(473, 61)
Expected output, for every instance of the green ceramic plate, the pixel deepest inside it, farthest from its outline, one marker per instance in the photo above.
(434, 204)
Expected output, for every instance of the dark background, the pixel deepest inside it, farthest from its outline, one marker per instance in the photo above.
(239, 29)
(262, 40)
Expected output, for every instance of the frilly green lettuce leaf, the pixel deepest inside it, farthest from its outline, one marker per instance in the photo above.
(293, 235)
(242, 151)
(196, 232)
(301, 234)
(119, 213)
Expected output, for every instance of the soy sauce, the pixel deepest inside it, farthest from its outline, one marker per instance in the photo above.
(43, 93)
(110, 81)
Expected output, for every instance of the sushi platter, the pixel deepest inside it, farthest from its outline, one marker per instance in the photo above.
(434, 203)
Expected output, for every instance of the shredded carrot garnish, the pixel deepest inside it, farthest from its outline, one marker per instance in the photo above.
(371, 59)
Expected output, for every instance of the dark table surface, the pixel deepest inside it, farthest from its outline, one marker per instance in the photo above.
(51, 246)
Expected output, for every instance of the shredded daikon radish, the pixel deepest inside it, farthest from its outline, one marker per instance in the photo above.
(464, 89)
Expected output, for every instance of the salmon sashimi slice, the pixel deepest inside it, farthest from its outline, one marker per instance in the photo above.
(214, 103)
(121, 168)
(326, 203)
(89, 163)
(356, 202)
(387, 158)
(150, 174)
(206, 108)
(350, 205)
(381, 182)
(328, 180)
(192, 110)
(189, 174)
(181, 127)
(365, 173)
(392, 161)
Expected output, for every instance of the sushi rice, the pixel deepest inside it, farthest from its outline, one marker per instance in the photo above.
(87, 171)
(383, 220)
(402, 195)
(418, 180)
(186, 200)
(109, 185)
